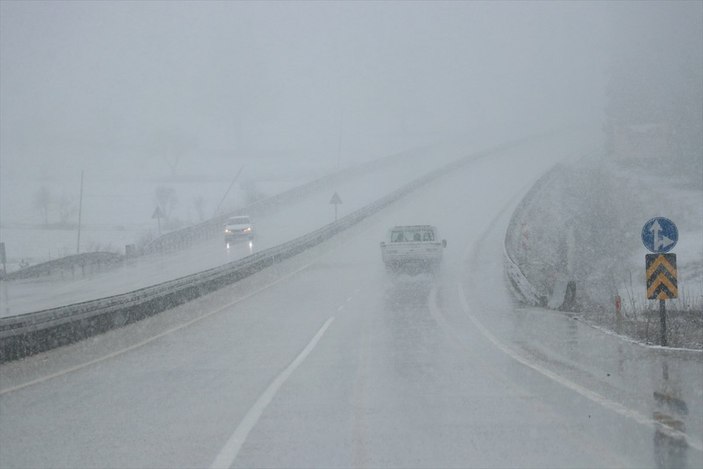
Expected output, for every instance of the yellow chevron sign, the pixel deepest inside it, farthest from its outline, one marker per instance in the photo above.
(661, 276)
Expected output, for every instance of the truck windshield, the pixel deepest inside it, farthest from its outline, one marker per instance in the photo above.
(401, 236)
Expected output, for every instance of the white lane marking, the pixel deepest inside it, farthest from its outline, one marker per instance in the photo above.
(607, 457)
(587, 393)
(229, 452)
(150, 339)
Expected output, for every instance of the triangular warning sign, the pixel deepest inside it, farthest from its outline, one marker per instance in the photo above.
(335, 199)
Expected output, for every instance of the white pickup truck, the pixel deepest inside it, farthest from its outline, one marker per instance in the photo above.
(412, 249)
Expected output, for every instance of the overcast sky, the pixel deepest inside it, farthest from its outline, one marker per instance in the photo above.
(88, 83)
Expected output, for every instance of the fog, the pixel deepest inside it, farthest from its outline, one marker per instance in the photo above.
(101, 85)
(288, 343)
(141, 94)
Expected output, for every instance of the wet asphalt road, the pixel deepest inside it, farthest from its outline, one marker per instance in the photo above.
(326, 361)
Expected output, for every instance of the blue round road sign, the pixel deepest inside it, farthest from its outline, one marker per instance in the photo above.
(660, 235)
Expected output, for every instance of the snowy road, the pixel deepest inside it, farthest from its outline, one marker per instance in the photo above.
(325, 361)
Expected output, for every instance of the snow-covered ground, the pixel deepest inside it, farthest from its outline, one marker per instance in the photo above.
(584, 224)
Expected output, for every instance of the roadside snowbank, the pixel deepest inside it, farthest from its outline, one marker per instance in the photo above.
(582, 223)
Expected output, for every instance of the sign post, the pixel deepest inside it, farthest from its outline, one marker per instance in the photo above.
(335, 200)
(2, 258)
(158, 214)
(660, 235)
(80, 212)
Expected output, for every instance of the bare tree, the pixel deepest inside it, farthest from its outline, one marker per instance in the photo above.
(251, 192)
(67, 209)
(42, 202)
(167, 200)
(199, 204)
(171, 145)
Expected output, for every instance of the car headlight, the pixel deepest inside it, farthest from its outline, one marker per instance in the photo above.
(227, 230)
(247, 229)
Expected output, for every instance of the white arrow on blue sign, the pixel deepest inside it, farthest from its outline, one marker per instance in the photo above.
(660, 235)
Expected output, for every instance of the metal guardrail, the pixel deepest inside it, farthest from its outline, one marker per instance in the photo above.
(518, 284)
(517, 281)
(31, 333)
(535, 275)
(90, 262)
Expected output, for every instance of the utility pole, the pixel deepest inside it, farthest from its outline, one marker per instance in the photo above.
(339, 141)
(80, 213)
(228, 189)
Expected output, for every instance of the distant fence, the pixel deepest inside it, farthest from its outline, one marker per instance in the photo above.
(69, 266)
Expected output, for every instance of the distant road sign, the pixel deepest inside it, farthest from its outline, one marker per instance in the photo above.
(661, 276)
(660, 235)
(336, 199)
